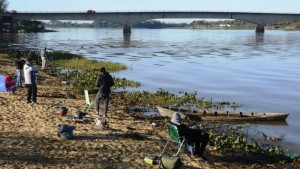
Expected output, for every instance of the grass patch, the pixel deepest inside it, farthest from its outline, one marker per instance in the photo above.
(4, 56)
(78, 62)
(85, 64)
(82, 72)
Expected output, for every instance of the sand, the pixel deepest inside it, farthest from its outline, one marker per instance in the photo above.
(29, 132)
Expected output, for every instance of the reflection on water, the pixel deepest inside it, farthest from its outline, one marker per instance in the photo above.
(127, 39)
(7, 39)
(272, 123)
(258, 71)
(259, 38)
(20, 41)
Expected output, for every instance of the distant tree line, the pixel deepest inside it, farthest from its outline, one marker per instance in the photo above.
(38, 26)
(199, 24)
(19, 25)
(222, 24)
(289, 25)
(23, 26)
(30, 26)
(154, 24)
(68, 24)
(103, 24)
(158, 25)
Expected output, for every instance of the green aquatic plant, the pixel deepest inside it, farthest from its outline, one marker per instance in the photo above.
(234, 137)
(85, 79)
(161, 97)
(187, 99)
(124, 83)
(62, 55)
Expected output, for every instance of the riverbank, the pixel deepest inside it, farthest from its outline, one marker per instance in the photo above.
(29, 139)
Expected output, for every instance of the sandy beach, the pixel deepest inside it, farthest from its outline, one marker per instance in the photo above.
(29, 134)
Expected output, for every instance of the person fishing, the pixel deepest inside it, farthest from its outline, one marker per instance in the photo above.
(192, 136)
(103, 83)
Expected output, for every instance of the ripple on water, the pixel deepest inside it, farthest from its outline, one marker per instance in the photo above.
(261, 72)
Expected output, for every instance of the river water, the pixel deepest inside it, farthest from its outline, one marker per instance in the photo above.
(259, 71)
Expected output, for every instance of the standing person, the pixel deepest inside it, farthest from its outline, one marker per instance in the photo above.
(103, 84)
(44, 57)
(30, 72)
(19, 66)
(192, 136)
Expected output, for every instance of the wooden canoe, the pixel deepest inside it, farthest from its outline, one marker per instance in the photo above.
(217, 115)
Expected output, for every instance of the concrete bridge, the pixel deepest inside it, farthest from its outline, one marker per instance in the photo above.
(128, 18)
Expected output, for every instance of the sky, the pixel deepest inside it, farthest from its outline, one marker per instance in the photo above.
(281, 6)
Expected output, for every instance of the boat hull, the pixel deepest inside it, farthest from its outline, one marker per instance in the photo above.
(225, 116)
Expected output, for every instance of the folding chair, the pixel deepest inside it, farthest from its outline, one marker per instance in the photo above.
(176, 138)
(88, 103)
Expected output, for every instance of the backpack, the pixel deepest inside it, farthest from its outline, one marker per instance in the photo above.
(169, 162)
(63, 111)
(65, 131)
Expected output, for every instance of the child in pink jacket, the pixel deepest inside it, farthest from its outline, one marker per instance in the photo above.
(9, 83)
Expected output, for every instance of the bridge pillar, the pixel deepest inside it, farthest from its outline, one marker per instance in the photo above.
(1, 22)
(12, 26)
(260, 29)
(127, 29)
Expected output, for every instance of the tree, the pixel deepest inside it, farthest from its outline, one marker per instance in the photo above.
(3, 6)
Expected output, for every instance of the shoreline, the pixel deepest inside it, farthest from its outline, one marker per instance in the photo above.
(28, 131)
(29, 140)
